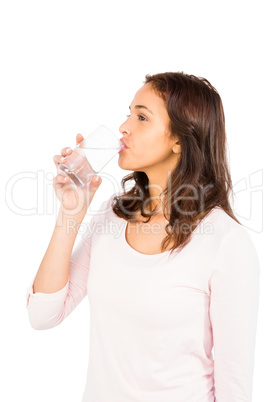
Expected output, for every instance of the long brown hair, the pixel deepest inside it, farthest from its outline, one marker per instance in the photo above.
(201, 180)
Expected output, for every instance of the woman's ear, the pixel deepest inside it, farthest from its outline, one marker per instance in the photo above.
(176, 148)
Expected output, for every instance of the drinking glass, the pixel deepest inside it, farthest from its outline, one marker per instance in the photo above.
(91, 156)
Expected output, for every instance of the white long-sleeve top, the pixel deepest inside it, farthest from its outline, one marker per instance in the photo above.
(154, 319)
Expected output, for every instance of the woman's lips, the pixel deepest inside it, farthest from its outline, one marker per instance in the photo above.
(124, 147)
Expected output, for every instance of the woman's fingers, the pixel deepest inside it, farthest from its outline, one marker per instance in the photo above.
(66, 151)
(61, 179)
(57, 159)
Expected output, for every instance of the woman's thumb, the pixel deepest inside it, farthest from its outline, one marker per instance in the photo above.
(96, 181)
(79, 138)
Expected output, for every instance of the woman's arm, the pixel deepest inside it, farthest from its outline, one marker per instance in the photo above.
(53, 272)
(233, 311)
(53, 295)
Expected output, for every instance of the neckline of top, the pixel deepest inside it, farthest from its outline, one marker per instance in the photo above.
(164, 253)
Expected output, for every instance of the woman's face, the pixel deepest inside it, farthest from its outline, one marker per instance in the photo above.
(146, 134)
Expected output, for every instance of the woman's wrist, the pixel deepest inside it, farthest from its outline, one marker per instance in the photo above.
(70, 220)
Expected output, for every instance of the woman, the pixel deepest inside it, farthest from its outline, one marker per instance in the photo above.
(169, 271)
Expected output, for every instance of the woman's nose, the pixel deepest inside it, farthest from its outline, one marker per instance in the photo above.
(124, 129)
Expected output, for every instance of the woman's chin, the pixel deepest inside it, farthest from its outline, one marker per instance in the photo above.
(124, 165)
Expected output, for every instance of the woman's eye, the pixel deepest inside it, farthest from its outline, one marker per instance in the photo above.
(142, 118)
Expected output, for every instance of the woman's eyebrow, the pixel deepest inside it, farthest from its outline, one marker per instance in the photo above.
(142, 107)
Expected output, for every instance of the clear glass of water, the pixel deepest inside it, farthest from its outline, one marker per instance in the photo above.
(91, 156)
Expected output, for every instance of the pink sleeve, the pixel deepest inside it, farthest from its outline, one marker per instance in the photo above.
(233, 311)
(47, 310)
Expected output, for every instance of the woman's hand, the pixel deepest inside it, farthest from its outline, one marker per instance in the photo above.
(73, 200)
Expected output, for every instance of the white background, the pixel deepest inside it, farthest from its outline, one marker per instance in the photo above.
(68, 66)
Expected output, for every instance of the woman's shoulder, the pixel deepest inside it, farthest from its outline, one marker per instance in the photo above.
(222, 221)
(228, 232)
(234, 249)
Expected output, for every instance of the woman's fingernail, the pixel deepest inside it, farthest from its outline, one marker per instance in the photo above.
(62, 158)
(68, 149)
